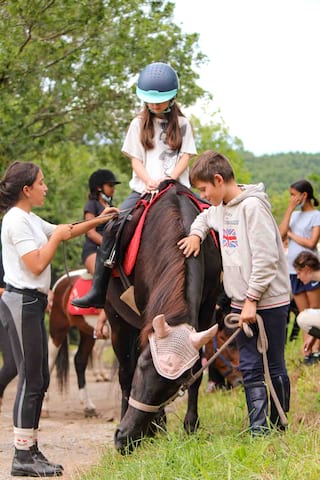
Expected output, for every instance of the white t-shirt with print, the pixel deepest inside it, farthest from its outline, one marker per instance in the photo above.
(161, 160)
(21, 233)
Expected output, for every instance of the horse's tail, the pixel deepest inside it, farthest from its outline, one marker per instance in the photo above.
(62, 366)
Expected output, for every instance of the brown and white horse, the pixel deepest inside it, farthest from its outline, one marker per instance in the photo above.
(60, 323)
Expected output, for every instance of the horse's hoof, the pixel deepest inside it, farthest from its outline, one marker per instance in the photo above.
(90, 412)
(211, 387)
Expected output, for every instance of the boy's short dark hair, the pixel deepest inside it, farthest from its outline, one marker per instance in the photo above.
(209, 164)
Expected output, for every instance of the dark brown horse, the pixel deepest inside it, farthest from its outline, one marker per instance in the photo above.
(224, 371)
(60, 323)
(165, 283)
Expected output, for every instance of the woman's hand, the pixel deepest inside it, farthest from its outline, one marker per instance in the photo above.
(63, 232)
(109, 210)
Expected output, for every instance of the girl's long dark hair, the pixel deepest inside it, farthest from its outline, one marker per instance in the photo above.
(17, 175)
(173, 131)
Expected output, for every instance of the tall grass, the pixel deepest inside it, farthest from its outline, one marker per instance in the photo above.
(222, 448)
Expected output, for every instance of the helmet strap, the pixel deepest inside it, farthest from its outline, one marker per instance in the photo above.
(106, 198)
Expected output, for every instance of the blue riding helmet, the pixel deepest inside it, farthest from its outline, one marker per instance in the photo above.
(157, 83)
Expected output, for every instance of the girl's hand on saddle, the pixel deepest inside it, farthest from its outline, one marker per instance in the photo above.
(190, 245)
(152, 185)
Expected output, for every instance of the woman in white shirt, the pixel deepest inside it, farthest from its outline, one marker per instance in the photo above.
(28, 246)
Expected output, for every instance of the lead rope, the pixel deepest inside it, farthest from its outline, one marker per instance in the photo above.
(108, 216)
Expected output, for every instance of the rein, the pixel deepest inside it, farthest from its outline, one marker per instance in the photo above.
(232, 321)
(223, 359)
(108, 216)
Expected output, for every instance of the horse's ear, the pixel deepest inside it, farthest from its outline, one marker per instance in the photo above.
(198, 339)
(161, 327)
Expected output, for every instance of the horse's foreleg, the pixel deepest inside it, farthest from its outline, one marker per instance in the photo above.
(98, 369)
(89, 406)
(191, 419)
(80, 363)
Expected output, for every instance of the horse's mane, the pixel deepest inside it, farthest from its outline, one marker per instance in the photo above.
(161, 265)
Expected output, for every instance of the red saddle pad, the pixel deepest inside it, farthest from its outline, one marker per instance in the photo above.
(81, 288)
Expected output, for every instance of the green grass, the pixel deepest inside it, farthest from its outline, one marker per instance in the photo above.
(222, 448)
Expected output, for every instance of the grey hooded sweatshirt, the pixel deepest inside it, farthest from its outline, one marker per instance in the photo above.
(254, 263)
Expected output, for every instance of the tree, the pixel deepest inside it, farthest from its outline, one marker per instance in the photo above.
(67, 70)
(214, 135)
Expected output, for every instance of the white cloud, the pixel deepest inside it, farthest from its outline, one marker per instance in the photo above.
(264, 69)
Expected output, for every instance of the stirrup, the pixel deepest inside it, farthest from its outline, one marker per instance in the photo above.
(110, 261)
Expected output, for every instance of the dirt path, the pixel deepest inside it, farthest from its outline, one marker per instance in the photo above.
(67, 437)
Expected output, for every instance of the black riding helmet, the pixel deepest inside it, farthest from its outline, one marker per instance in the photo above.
(100, 177)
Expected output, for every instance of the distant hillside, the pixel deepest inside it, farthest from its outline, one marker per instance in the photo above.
(278, 171)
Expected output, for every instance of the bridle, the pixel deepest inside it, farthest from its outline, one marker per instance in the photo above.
(186, 385)
(232, 321)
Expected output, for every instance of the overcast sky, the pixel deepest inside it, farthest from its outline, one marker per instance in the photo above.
(264, 68)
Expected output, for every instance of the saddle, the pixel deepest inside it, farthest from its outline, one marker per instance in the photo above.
(125, 231)
(81, 287)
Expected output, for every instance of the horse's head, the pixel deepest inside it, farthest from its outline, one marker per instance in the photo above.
(164, 365)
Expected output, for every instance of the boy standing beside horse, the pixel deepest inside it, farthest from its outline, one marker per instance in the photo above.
(255, 277)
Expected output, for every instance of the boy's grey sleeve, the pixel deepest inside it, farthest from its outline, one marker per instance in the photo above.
(262, 232)
(200, 225)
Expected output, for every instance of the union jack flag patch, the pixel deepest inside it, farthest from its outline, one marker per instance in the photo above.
(230, 239)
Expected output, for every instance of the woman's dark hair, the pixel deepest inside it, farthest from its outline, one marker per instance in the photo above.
(173, 131)
(306, 259)
(17, 175)
(303, 186)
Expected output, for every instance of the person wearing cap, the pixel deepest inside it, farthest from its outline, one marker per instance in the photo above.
(101, 190)
(160, 144)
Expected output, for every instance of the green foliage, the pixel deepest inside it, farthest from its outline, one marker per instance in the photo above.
(67, 69)
(214, 135)
(279, 171)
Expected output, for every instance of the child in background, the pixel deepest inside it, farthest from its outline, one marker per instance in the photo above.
(307, 266)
